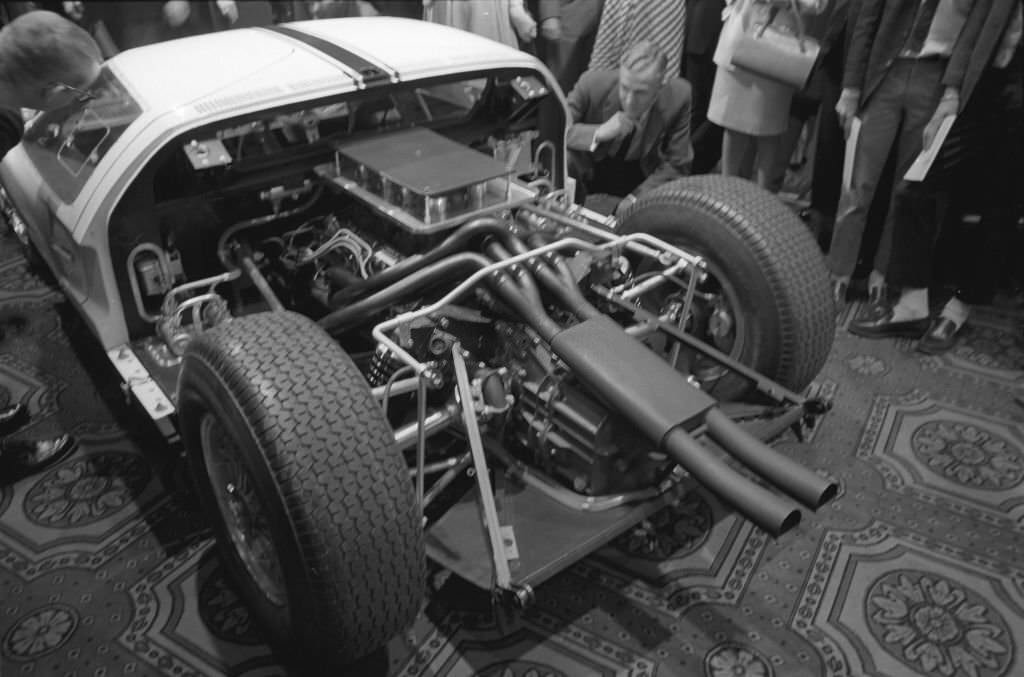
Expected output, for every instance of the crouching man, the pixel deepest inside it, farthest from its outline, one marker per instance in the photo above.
(46, 62)
(630, 128)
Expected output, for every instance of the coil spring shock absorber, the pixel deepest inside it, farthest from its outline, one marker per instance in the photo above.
(382, 366)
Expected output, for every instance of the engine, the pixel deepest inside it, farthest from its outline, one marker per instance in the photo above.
(339, 247)
(565, 429)
(556, 424)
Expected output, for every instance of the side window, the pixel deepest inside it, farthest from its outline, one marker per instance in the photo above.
(67, 143)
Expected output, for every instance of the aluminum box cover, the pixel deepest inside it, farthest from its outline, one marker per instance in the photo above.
(423, 160)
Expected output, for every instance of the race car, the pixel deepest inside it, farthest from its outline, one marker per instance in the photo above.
(342, 261)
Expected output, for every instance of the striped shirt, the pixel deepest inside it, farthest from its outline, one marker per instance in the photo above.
(626, 22)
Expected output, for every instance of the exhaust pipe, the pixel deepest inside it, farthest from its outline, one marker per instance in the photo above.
(802, 484)
(635, 381)
(769, 511)
(779, 470)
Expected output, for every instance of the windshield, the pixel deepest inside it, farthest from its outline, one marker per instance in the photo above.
(265, 136)
(66, 144)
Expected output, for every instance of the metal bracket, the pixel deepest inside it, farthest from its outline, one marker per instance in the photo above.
(502, 571)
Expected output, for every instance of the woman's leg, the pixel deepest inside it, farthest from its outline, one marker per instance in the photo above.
(766, 164)
(738, 154)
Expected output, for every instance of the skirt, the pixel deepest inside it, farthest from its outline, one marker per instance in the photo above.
(751, 104)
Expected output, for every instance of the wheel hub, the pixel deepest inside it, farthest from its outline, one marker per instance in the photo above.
(242, 511)
(712, 319)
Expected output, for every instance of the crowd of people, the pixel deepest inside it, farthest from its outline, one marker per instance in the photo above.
(657, 90)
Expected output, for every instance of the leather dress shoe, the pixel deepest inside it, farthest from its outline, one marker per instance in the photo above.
(881, 325)
(939, 338)
(12, 417)
(19, 458)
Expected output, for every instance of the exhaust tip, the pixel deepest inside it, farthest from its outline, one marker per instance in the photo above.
(830, 491)
(789, 522)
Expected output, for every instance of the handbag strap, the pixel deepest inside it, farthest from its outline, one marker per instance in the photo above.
(801, 35)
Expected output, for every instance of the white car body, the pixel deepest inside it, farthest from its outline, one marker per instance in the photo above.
(184, 84)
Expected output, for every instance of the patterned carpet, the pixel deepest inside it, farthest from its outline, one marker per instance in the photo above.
(916, 569)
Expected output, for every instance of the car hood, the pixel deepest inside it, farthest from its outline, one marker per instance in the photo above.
(219, 71)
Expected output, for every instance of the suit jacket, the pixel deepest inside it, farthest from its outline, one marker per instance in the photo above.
(544, 9)
(662, 145)
(990, 36)
(703, 24)
(580, 17)
(11, 129)
(880, 34)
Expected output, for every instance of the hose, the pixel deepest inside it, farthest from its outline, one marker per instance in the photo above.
(352, 314)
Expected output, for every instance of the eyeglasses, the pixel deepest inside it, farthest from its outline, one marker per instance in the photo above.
(81, 96)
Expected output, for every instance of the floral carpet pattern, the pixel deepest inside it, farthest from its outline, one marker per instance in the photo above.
(916, 569)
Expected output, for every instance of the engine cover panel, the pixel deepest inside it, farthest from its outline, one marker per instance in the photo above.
(421, 179)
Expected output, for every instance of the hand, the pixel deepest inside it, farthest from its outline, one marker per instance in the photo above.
(73, 10)
(523, 23)
(948, 106)
(228, 9)
(847, 106)
(614, 127)
(176, 12)
(551, 28)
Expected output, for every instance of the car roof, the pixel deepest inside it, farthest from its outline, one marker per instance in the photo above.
(208, 73)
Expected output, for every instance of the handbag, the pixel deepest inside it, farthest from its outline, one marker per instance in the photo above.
(776, 52)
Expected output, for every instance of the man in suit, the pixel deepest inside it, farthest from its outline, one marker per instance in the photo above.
(905, 68)
(46, 62)
(703, 25)
(992, 32)
(630, 128)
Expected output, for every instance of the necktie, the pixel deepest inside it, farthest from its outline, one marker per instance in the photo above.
(623, 149)
(922, 24)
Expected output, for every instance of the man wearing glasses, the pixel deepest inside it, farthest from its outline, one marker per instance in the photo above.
(46, 62)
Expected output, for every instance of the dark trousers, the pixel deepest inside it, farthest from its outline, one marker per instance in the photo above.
(609, 176)
(980, 159)
(892, 121)
(699, 71)
(827, 177)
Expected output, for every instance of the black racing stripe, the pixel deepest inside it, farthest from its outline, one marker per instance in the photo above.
(372, 74)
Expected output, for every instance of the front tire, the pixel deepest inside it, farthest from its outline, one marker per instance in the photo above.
(311, 503)
(771, 308)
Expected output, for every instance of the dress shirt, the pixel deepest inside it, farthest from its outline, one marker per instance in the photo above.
(949, 20)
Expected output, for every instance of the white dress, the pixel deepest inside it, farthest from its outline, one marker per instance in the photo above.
(489, 18)
(745, 102)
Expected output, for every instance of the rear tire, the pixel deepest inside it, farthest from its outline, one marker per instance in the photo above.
(766, 264)
(312, 505)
